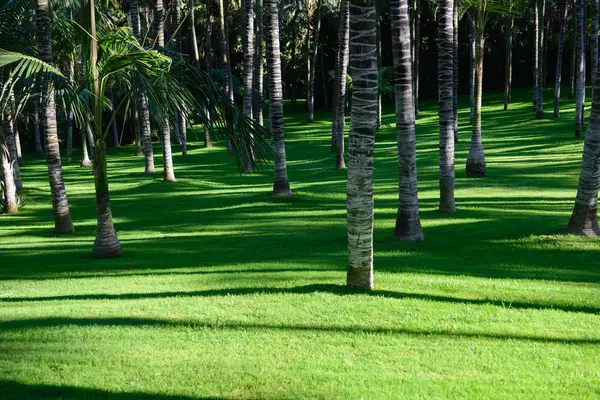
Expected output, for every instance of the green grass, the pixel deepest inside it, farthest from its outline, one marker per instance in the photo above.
(226, 292)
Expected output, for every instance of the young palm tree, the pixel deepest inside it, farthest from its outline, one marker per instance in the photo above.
(281, 185)
(446, 100)
(580, 68)
(359, 192)
(408, 224)
(584, 220)
(60, 204)
(559, 59)
(339, 86)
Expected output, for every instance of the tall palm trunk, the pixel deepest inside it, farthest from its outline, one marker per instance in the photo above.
(7, 183)
(224, 48)
(18, 144)
(446, 103)
(281, 186)
(143, 111)
(310, 100)
(584, 220)
(194, 40)
(539, 45)
(71, 69)
(248, 46)
(36, 130)
(339, 89)
(573, 50)
(559, 59)
(378, 38)
(159, 29)
(85, 157)
(60, 204)
(510, 23)
(455, 70)
(580, 71)
(259, 68)
(416, 20)
(595, 4)
(476, 158)
(359, 192)
(408, 224)
(472, 72)
(208, 65)
(11, 141)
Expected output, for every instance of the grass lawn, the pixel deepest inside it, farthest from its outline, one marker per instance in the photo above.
(226, 292)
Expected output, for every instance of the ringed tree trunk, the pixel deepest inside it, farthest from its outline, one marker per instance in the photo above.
(12, 150)
(339, 89)
(259, 69)
(18, 144)
(472, 72)
(71, 68)
(595, 4)
(359, 192)
(194, 40)
(313, 62)
(510, 22)
(208, 65)
(248, 73)
(539, 42)
(281, 186)
(159, 26)
(60, 204)
(559, 60)
(580, 68)
(573, 50)
(85, 158)
(476, 158)
(378, 37)
(416, 55)
(408, 223)
(584, 220)
(9, 192)
(455, 71)
(446, 103)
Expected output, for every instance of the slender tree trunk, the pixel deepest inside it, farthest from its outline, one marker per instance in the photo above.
(281, 186)
(580, 77)
(12, 150)
(194, 40)
(18, 144)
(416, 55)
(584, 220)
(115, 129)
(472, 72)
(408, 224)
(339, 90)
(71, 67)
(573, 51)
(259, 69)
(455, 70)
(138, 134)
(310, 100)
(60, 204)
(324, 79)
(359, 192)
(248, 47)
(208, 64)
(9, 192)
(595, 4)
(446, 104)
(379, 77)
(476, 158)
(536, 52)
(510, 22)
(37, 131)
(559, 60)
(183, 118)
(539, 76)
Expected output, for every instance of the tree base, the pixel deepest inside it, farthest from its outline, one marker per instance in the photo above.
(112, 251)
(149, 169)
(64, 225)
(139, 152)
(475, 168)
(339, 163)
(447, 208)
(282, 189)
(85, 163)
(539, 114)
(20, 161)
(584, 221)
(359, 279)
(406, 233)
(208, 145)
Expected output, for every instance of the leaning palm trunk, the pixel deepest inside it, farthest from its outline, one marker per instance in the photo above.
(339, 89)
(408, 224)
(510, 22)
(248, 73)
(580, 72)
(584, 220)
(476, 158)
(281, 186)
(446, 100)
(559, 60)
(7, 183)
(313, 62)
(194, 40)
(60, 204)
(159, 26)
(359, 192)
(455, 71)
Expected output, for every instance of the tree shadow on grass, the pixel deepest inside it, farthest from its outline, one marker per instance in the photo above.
(308, 289)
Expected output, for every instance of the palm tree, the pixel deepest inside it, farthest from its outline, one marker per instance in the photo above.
(259, 68)
(359, 192)
(9, 125)
(455, 20)
(559, 59)
(248, 70)
(580, 68)
(595, 4)
(408, 224)
(71, 68)
(584, 220)
(471, 72)
(60, 204)
(416, 40)
(315, 20)
(339, 86)
(540, 9)
(446, 103)
(224, 48)
(208, 63)
(8, 195)
(281, 185)
(508, 26)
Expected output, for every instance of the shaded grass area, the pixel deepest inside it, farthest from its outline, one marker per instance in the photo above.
(226, 292)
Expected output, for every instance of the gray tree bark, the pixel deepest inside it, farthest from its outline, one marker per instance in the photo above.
(339, 88)
(9, 192)
(510, 22)
(559, 59)
(316, 30)
(580, 71)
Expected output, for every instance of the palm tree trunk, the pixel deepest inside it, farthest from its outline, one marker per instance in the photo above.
(208, 65)
(18, 145)
(339, 90)
(60, 204)
(7, 184)
(416, 55)
(584, 220)
(379, 67)
(573, 51)
(559, 60)
(281, 186)
(12, 150)
(194, 40)
(36, 129)
(324, 79)
(476, 158)
(455, 70)
(408, 224)
(71, 68)
(259, 69)
(539, 80)
(580, 76)
(310, 100)
(248, 47)
(446, 104)
(138, 135)
(472, 72)
(595, 4)
(510, 22)
(85, 158)
(183, 118)
(359, 192)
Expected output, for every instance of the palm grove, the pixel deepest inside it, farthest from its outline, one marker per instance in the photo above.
(101, 74)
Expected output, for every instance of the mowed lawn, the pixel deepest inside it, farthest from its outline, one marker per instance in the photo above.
(226, 292)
